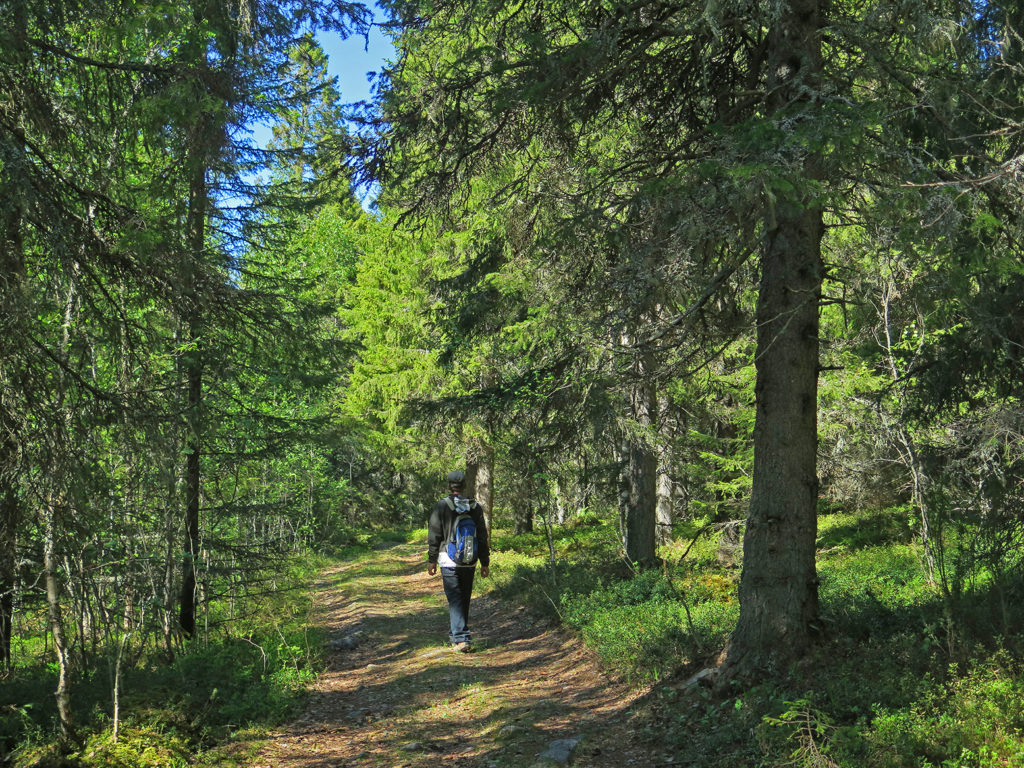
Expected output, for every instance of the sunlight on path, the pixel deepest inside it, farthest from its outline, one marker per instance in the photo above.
(401, 697)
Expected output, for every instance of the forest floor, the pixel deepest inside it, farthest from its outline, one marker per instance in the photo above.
(402, 698)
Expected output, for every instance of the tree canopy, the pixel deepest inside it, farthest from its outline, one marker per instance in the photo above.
(723, 264)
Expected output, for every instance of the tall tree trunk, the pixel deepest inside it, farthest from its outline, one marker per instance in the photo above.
(10, 520)
(12, 277)
(55, 504)
(484, 491)
(779, 586)
(637, 498)
(56, 619)
(480, 476)
(523, 514)
(522, 506)
(664, 500)
(10, 514)
(193, 365)
(638, 472)
(665, 504)
(187, 614)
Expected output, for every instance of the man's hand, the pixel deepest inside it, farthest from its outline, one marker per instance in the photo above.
(432, 569)
(485, 571)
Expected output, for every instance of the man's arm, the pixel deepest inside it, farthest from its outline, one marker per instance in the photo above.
(435, 533)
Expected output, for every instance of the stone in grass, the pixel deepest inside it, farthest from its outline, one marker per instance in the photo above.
(559, 752)
(347, 643)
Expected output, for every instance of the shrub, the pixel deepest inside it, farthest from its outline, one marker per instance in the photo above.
(972, 721)
(648, 627)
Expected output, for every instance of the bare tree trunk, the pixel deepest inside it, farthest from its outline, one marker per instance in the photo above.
(779, 586)
(638, 470)
(480, 476)
(56, 620)
(906, 445)
(558, 500)
(122, 641)
(187, 614)
(171, 519)
(522, 510)
(10, 515)
(12, 270)
(637, 484)
(484, 491)
(664, 506)
(193, 364)
(54, 505)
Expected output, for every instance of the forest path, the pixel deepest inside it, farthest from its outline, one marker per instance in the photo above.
(401, 697)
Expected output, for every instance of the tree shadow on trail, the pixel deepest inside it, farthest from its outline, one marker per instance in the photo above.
(474, 709)
(401, 697)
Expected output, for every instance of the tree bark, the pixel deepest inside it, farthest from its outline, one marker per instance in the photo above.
(10, 520)
(55, 504)
(187, 614)
(638, 472)
(56, 620)
(637, 497)
(485, 483)
(12, 271)
(664, 511)
(480, 477)
(10, 514)
(522, 507)
(778, 590)
(193, 365)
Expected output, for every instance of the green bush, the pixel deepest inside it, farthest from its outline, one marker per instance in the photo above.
(254, 676)
(136, 747)
(970, 721)
(648, 626)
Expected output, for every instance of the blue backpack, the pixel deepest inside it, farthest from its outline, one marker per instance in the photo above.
(462, 547)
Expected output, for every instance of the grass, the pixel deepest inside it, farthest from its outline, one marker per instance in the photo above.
(903, 677)
(644, 626)
(221, 693)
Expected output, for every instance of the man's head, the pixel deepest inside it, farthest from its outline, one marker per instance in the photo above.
(456, 481)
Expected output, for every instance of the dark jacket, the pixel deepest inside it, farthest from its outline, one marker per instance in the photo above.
(439, 530)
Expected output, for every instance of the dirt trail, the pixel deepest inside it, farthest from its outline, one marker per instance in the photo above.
(402, 698)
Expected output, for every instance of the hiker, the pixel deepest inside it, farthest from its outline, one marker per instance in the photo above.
(456, 539)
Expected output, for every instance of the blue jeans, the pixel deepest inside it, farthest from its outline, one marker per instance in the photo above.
(458, 587)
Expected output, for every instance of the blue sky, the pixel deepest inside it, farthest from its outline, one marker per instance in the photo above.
(349, 60)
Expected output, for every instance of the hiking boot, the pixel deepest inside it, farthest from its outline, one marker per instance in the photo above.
(463, 647)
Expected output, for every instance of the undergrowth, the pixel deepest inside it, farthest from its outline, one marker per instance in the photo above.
(222, 690)
(904, 676)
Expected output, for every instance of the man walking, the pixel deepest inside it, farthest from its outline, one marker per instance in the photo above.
(457, 577)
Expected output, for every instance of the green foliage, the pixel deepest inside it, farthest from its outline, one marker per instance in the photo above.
(137, 746)
(800, 727)
(645, 626)
(973, 720)
(253, 678)
(889, 686)
(592, 183)
(651, 638)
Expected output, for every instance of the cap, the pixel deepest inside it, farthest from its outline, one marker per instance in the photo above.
(457, 476)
